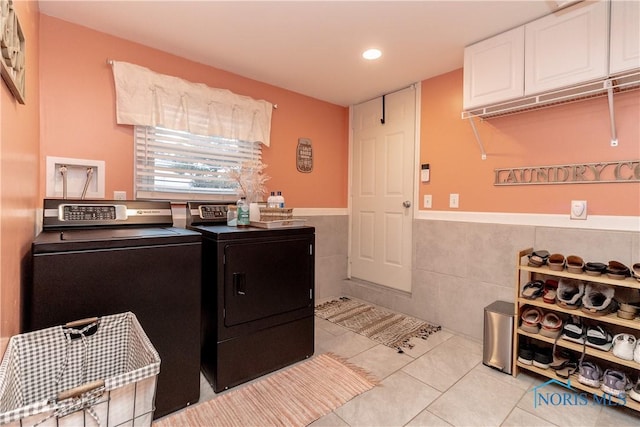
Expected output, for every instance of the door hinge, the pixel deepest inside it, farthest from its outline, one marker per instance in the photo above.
(311, 249)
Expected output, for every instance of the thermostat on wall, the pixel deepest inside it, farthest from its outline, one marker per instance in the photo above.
(424, 173)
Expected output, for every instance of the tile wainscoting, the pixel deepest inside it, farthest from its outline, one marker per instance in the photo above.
(332, 237)
(461, 267)
(458, 267)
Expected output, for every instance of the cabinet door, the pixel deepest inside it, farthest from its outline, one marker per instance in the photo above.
(494, 69)
(267, 278)
(624, 53)
(566, 48)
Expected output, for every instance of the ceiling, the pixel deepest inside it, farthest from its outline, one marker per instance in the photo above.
(309, 47)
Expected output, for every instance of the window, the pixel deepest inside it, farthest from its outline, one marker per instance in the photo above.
(178, 165)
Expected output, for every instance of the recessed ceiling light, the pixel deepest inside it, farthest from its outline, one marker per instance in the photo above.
(371, 54)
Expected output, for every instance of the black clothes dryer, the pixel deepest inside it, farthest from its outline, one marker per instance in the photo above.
(257, 296)
(100, 257)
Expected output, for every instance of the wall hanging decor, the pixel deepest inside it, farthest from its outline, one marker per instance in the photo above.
(12, 45)
(304, 156)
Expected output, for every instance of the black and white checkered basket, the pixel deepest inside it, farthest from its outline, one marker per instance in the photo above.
(97, 372)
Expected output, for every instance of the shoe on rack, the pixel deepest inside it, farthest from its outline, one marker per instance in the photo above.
(624, 346)
(538, 258)
(636, 352)
(556, 262)
(531, 318)
(615, 383)
(561, 357)
(526, 352)
(598, 337)
(550, 325)
(575, 264)
(635, 271)
(590, 374)
(567, 370)
(598, 299)
(542, 357)
(533, 289)
(570, 292)
(595, 268)
(634, 392)
(574, 330)
(617, 270)
(550, 291)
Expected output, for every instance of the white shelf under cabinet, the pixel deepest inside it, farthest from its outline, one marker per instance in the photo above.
(605, 359)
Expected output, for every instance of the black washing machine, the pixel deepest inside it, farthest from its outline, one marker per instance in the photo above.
(257, 296)
(99, 257)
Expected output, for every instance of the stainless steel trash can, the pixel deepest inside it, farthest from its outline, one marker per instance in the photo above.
(498, 336)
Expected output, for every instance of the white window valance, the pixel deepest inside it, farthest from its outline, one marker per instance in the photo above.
(146, 98)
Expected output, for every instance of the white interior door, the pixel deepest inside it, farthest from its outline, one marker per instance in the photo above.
(382, 189)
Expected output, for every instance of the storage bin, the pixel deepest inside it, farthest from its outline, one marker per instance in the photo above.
(498, 336)
(275, 214)
(93, 372)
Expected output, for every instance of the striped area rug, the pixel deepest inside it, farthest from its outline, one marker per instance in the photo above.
(295, 396)
(386, 327)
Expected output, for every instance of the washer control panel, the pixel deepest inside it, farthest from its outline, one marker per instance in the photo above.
(65, 214)
(91, 212)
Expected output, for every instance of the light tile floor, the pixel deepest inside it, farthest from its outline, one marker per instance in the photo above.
(442, 382)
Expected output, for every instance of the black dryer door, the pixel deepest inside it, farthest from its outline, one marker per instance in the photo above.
(265, 279)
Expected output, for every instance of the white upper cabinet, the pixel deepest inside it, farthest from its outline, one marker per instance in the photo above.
(494, 69)
(567, 47)
(624, 53)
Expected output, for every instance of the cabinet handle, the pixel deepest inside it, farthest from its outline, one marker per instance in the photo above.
(239, 283)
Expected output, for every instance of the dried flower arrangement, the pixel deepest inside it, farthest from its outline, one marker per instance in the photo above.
(251, 180)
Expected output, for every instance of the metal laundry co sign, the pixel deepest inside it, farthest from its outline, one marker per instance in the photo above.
(580, 173)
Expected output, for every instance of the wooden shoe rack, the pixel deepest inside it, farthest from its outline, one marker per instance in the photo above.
(612, 322)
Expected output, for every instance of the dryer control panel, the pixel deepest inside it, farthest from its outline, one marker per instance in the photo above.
(201, 213)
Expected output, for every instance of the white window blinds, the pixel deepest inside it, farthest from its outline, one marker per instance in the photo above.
(178, 165)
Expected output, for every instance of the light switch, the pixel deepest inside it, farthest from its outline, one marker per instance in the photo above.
(454, 200)
(427, 201)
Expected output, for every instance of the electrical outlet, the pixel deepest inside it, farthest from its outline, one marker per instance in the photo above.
(119, 195)
(427, 201)
(578, 209)
(454, 200)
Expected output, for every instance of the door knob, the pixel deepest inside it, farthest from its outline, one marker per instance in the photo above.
(406, 204)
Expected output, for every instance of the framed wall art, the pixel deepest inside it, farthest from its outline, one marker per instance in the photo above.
(12, 48)
(304, 155)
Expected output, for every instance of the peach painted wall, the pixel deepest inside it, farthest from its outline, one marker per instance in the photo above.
(78, 115)
(19, 133)
(574, 133)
